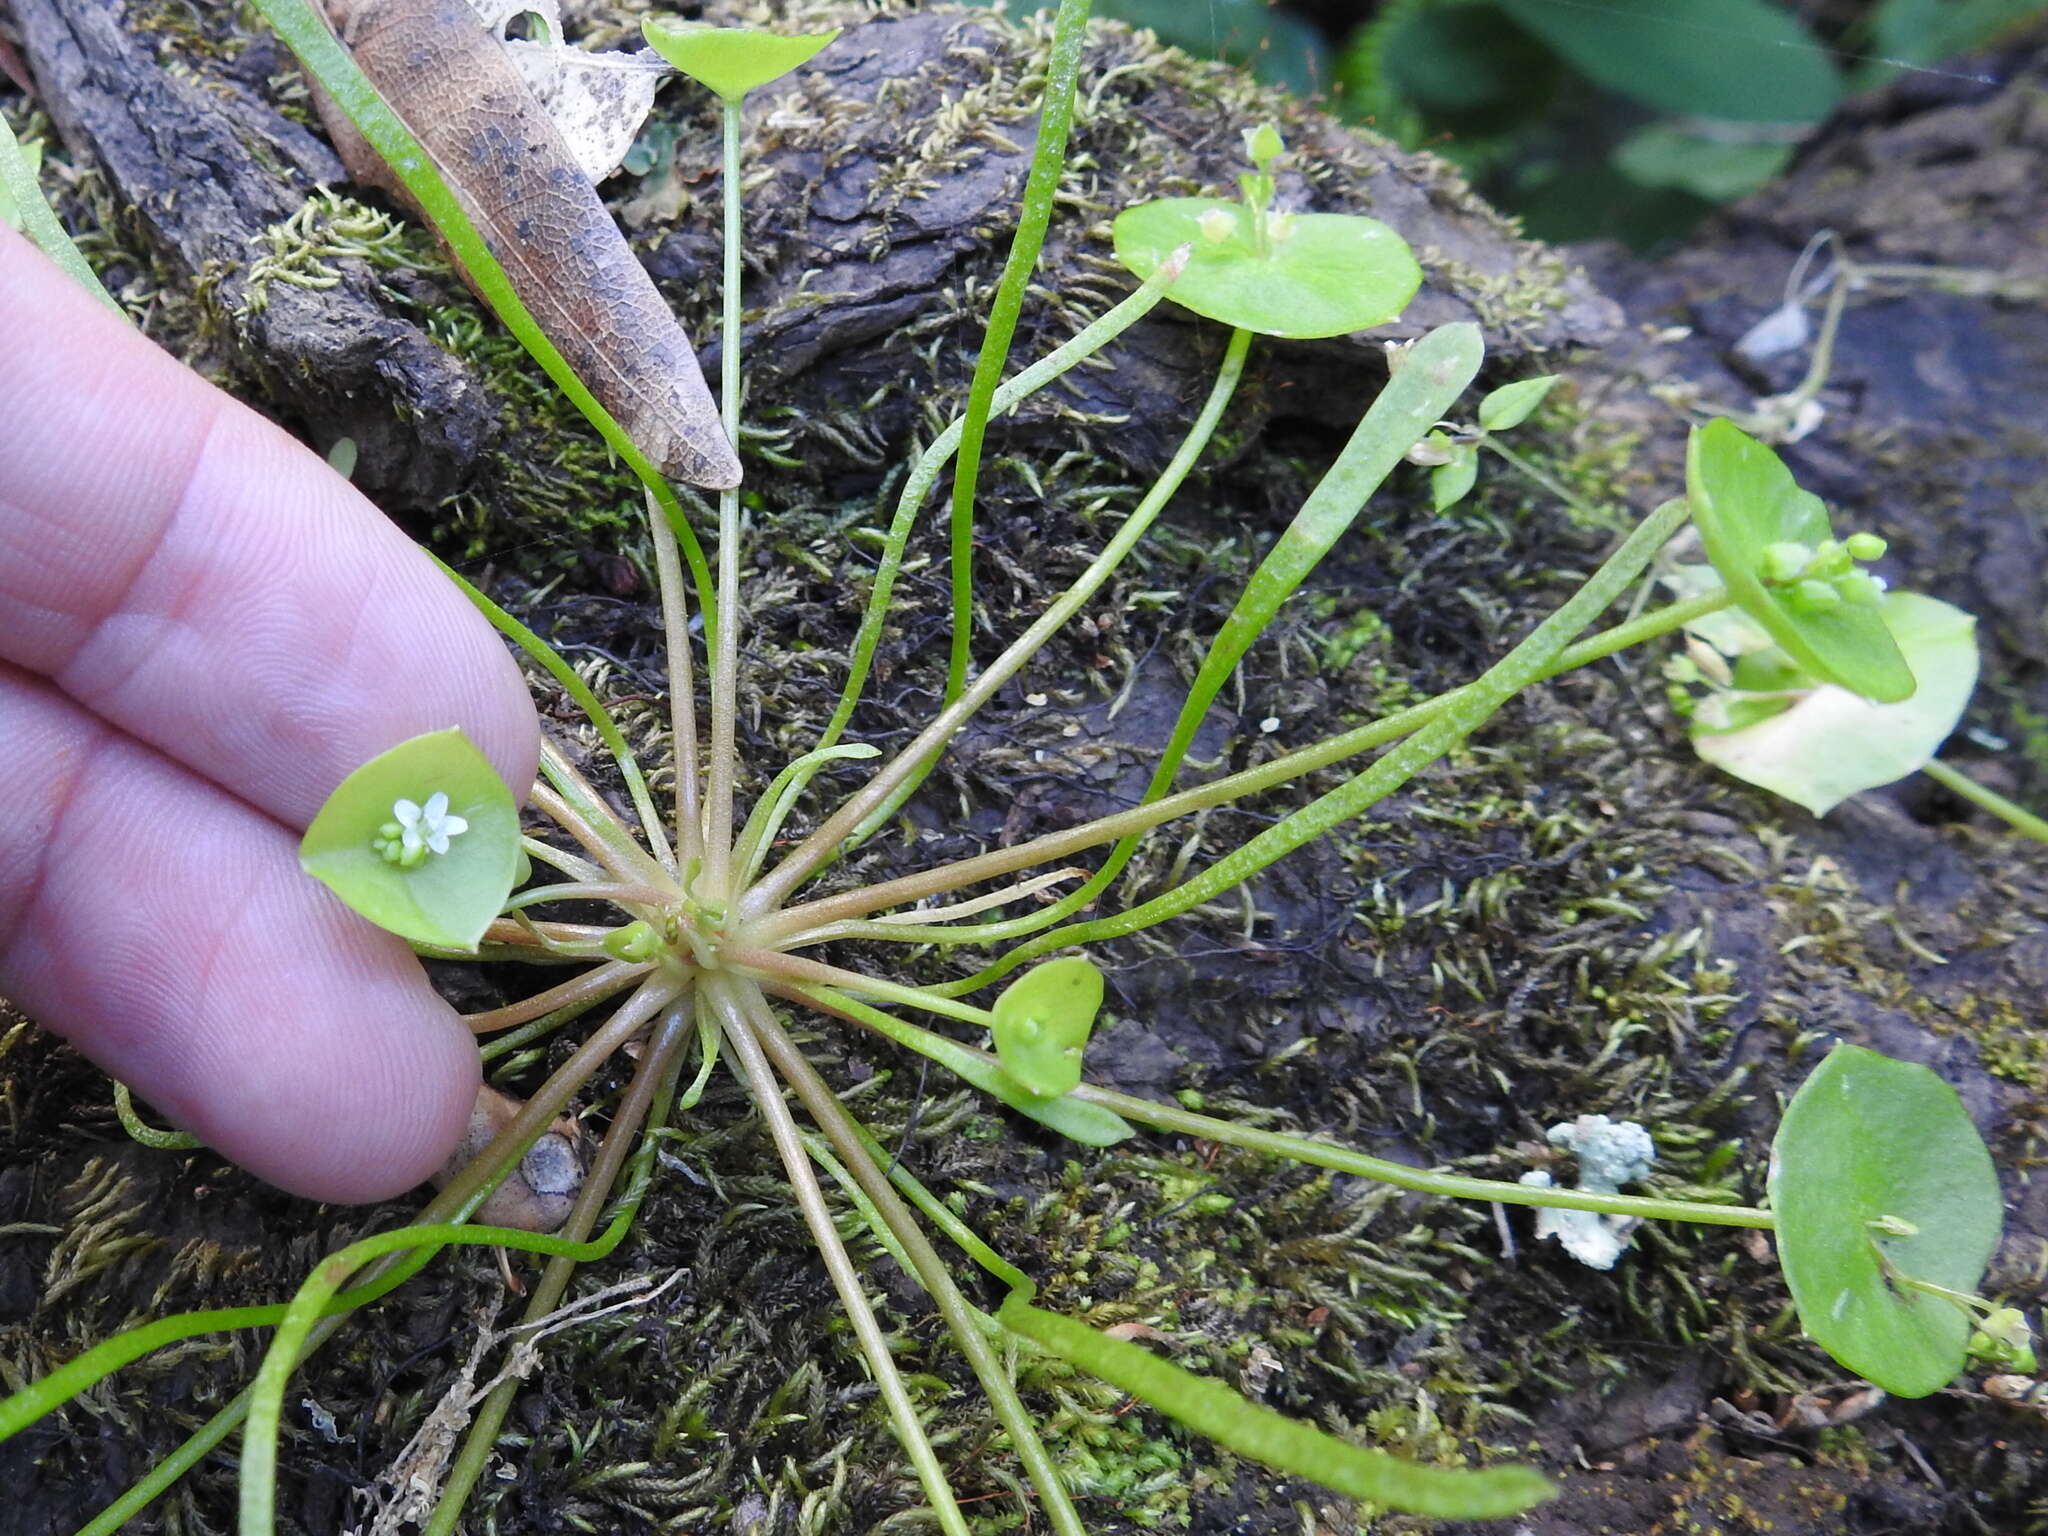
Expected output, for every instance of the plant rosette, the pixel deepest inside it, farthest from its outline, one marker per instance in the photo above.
(422, 840)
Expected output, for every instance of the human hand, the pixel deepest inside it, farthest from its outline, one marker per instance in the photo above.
(203, 629)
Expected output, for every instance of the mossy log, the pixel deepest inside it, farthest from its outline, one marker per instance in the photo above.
(882, 181)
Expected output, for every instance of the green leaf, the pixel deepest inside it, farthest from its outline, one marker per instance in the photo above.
(732, 60)
(1075, 1119)
(1451, 482)
(1904, 33)
(1233, 1421)
(1322, 274)
(1737, 60)
(1865, 1138)
(1744, 500)
(1043, 1020)
(1665, 155)
(446, 899)
(1827, 743)
(1510, 405)
(28, 166)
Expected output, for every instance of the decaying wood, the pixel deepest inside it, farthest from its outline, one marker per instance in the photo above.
(451, 83)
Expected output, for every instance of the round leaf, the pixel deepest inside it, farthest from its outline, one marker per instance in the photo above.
(1043, 1020)
(446, 899)
(1323, 274)
(732, 60)
(1744, 500)
(1828, 743)
(1867, 1138)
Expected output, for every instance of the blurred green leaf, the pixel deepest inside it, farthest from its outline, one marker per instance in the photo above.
(29, 162)
(1666, 155)
(1451, 482)
(1738, 60)
(1908, 32)
(1279, 49)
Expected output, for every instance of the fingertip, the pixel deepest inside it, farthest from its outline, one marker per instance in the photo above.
(363, 1110)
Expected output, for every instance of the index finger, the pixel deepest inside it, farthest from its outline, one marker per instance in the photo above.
(189, 573)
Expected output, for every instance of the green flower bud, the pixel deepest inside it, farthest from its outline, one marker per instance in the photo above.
(1263, 144)
(1860, 588)
(1784, 562)
(1866, 546)
(636, 942)
(1831, 560)
(1813, 596)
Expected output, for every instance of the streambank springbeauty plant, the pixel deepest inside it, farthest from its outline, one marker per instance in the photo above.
(703, 924)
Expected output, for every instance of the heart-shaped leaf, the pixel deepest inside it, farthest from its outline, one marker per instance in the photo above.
(1825, 744)
(1316, 274)
(1876, 1174)
(1043, 1020)
(1745, 502)
(732, 60)
(422, 840)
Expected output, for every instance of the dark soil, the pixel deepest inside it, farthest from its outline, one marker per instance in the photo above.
(1572, 916)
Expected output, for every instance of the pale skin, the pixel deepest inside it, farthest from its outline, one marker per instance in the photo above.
(202, 630)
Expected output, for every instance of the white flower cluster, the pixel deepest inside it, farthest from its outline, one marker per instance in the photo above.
(415, 831)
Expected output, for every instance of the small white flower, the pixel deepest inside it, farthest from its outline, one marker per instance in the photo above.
(416, 830)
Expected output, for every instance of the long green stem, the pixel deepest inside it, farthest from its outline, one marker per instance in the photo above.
(2016, 816)
(1438, 368)
(1034, 214)
(1304, 1149)
(962, 1317)
(808, 917)
(725, 646)
(552, 662)
(881, 791)
(1323, 1154)
(1472, 706)
(735, 1004)
(682, 690)
(1085, 343)
(1542, 477)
